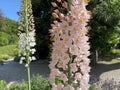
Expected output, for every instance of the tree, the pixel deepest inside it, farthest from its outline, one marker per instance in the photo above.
(105, 17)
(8, 31)
(42, 15)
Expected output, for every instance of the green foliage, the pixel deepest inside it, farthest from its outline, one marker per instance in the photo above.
(4, 39)
(8, 51)
(37, 83)
(42, 15)
(3, 85)
(105, 18)
(40, 83)
(19, 86)
(8, 31)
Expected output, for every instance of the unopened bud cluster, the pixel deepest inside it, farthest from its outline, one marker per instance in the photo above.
(26, 33)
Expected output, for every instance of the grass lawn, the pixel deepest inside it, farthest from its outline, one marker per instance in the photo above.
(8, 51)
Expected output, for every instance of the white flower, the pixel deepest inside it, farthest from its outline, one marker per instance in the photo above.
(30, 58)
(28, 47)
(26, 65)
(24, 54)
(33, 58)
(32, 44)
(22, 58)
(33, 51)
(21, 61)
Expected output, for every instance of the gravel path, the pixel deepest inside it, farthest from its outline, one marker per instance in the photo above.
(106, 71)
(13, 71)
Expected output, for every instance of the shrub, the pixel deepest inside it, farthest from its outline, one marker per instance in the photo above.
(4, 56)
(8, 51)
(4, 38)
(37, 83)
(3, 85)
(40, 83)
(19, 86)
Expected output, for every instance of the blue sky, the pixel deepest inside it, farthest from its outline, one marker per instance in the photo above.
(10, 8)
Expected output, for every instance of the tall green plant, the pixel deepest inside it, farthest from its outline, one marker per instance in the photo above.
(26, 36)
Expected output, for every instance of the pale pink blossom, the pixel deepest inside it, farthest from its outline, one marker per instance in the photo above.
(61, 15)
(61, 64)
(84, 69)
(65, 4)
(78, 76)
(70, 49)
(58, 0)
(73, 67)
(68, 87)
(63, 77)
(74, 50)
(54, 4)
(55, 15)
(60, 86)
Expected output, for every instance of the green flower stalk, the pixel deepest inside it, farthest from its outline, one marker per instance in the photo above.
(26, 36)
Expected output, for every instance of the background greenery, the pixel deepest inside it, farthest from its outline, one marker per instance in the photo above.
(38, 83)
(7, 52)
(8, 38)
(104, 34)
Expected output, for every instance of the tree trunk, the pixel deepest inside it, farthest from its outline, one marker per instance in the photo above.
(96, 55)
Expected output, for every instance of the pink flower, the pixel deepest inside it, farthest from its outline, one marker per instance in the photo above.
(64, 77)
(55, 15)
(61, 64)
(64, 4)
(55, 88)
(65, 58)
(56, 72)
(84, 69)
(58, 0)
(60, 86)
(68, 87)
(61, 15)
(73, 67)
(70, 46)
(54, 4)
(74, 50)
(78, 76)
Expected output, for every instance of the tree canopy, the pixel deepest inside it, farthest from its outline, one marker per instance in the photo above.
(105, 19)
(42, 15)
(8, 31)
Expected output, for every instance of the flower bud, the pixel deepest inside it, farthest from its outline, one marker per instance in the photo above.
(54, 4)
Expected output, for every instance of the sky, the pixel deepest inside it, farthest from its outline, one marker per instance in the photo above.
(10, 8)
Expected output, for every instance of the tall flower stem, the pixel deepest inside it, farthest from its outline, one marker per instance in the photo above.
(27, 37)
(28, 73)
(69, 70)
(27, 32)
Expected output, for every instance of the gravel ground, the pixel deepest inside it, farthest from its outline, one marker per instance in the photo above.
(106, 71)
(13, 71)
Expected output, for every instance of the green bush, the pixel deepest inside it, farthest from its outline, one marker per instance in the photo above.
(4, 39)
(19, 86)
(37, 83)
(4, 57)
(3, 85)
(8, 51)
(40, 83)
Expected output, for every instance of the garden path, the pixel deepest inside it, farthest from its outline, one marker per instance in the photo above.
(13, 71)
